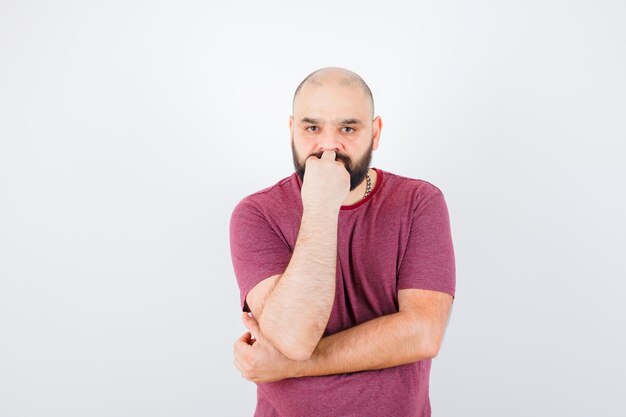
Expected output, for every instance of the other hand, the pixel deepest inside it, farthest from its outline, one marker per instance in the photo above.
(256, 358)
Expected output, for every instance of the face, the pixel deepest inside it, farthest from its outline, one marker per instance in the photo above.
(333, 116)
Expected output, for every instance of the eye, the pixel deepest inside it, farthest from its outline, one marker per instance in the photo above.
(348, 127)
(311, 127)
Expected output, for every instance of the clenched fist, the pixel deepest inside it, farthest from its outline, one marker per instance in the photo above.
(259, 361)
(326, 182)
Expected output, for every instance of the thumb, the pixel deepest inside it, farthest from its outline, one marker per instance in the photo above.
(252, 325)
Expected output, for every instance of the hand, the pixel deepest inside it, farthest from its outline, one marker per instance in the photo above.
(326, 182)
(257, 360)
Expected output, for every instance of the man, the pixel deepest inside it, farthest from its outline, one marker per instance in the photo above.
(348, 271)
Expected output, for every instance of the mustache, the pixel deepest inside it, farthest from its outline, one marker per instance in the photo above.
(338, 157)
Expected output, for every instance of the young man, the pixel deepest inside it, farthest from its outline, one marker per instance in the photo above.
(348, 271)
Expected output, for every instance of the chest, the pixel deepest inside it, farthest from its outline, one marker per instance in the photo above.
(370, 247)
(368, 256)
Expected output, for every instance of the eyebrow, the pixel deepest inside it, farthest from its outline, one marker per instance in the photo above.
(351, 121)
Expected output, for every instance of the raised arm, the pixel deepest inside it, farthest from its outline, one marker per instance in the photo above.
(293, 308)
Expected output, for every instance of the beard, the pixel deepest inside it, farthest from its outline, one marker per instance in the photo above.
(357, 169)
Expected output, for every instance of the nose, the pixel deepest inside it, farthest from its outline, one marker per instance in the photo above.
(330, 141)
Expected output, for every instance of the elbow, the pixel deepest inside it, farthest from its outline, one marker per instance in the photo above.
(295, 349)
(432, 350)
(294, 343)
(426, 345)
(296, 353)
(423, 350)
(432, 346)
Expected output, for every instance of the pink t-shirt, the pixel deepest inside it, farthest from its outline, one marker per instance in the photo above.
(397, 237)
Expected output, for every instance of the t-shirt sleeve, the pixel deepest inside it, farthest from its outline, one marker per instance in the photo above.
(428, 261)
(256, 249)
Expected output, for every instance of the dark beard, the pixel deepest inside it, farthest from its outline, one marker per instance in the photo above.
(357, 172)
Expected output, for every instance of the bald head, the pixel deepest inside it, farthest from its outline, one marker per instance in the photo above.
(337, 76)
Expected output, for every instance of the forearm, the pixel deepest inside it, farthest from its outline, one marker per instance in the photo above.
(295, 314)
(386, 341)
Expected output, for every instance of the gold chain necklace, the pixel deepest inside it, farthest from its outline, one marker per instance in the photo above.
(368, 188)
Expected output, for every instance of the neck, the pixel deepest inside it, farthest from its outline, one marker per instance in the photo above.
(356, 195)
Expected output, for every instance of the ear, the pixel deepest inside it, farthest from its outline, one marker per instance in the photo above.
(377, 126)
(291, 126)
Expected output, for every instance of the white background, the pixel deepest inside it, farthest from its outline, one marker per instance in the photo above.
(129, 130)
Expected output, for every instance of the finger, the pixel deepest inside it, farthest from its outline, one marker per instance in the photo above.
(240, 347)
(246, 339)
(306, 161)
(252, 325)
(237, 364)
(329, 155)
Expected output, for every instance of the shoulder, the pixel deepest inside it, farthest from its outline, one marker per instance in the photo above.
(280, 196)
(283, 186)
(415, 190)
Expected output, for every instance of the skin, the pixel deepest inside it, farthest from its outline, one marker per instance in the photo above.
(412, 334)
(330, 98)
(291, 309)
(293, 320)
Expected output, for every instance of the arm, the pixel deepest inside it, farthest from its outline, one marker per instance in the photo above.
(293, 308)
(414, 333)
